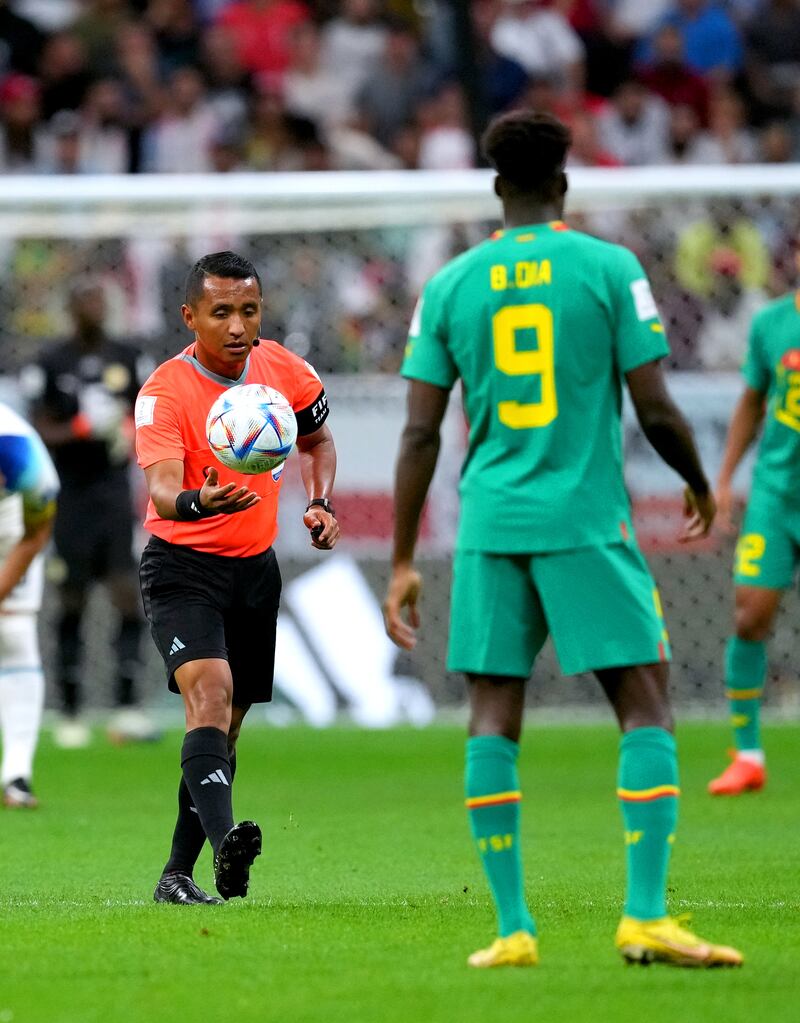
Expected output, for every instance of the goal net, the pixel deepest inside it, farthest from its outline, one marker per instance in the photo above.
(343, 258)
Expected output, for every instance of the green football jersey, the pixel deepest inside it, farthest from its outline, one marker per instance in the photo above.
(539, 323)
(772, 367)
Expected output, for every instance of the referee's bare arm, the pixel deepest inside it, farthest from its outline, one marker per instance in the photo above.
(165, 482)
(318, 469)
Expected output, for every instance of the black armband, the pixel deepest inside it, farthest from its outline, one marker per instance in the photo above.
(188, 507)
(310, 419)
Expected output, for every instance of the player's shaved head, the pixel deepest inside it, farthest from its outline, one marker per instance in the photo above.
(528, 150)
(218, 264)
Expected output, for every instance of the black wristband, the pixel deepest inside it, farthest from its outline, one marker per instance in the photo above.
(323, 503)
(188, 507)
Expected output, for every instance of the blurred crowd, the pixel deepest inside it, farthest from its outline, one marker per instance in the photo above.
(175, 86)
(91, 86)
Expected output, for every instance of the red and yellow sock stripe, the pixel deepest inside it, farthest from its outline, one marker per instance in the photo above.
(495, 799)
(647, 795)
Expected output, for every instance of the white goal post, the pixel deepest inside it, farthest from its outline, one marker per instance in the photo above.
(160, 204)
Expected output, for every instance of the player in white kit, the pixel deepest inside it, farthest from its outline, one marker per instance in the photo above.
(28, 490)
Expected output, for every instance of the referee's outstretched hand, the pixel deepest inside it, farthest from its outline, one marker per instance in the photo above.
(323, 527)
(225, 500)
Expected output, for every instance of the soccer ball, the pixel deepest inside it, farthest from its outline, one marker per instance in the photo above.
(251, 428)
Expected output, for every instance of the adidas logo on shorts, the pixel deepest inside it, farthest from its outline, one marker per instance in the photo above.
(216, 778)
(176, 646)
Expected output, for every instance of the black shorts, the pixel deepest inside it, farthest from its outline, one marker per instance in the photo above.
(208, 605)
(94, 533)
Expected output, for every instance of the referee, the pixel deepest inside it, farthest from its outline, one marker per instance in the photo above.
(210, 580)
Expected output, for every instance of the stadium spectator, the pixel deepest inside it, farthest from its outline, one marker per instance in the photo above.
(63, 74)
(62, 145)
(20, 42)
(226, 150)
(83, 394)
(685, 138)
(711, 41)
(353, 42)
(671, 78)
(105, 136)
(261, 29)
(504, 80)
(136, 64)
(773, 55)
(389, 97)
(630, 20)
(49, 15)
(97, 28)
(179, 141)
(176, 32)
(587, 149)
(540, 39)
(775, 143)
(634, 128)
(20, 130)
(312, 88)
(445, 141)
(230, 86)
(728, 140)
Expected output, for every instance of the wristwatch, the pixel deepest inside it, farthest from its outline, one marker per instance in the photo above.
(323, 503)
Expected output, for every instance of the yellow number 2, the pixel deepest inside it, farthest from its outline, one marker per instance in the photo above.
(513, 362)
(749, 551)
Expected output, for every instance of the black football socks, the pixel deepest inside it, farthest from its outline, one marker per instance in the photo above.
(189, 838)
(208, 776)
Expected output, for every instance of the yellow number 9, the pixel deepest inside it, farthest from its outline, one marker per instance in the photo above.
(509, 360)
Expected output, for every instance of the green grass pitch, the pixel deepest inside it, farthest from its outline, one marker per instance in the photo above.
(369, 896)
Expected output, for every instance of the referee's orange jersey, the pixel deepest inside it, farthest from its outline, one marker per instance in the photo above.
(171, 413)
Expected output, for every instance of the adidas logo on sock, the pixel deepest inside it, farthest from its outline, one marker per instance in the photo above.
(176, 646)
(216, 777)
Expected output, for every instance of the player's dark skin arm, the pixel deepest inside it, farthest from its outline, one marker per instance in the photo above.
(318, 469)
(419, 451)
(165, 482)
(745, 421)
(671, 436)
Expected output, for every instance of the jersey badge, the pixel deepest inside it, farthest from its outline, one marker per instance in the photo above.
(145, 410)
(646, 308)
(791, 358)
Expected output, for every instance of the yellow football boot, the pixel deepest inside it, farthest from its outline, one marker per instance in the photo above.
(668, 941)
(518, 949)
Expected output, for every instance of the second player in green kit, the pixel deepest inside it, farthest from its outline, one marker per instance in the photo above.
(543, 326)
(768, 549)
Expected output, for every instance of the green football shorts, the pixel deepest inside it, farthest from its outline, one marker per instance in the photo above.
(600, 605)
(768, 549)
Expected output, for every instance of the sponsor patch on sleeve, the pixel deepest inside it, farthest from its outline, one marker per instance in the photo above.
(646, 308)
(145, 410)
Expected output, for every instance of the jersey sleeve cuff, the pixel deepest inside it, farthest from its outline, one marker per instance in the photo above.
(428, 378)
(145, 461)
